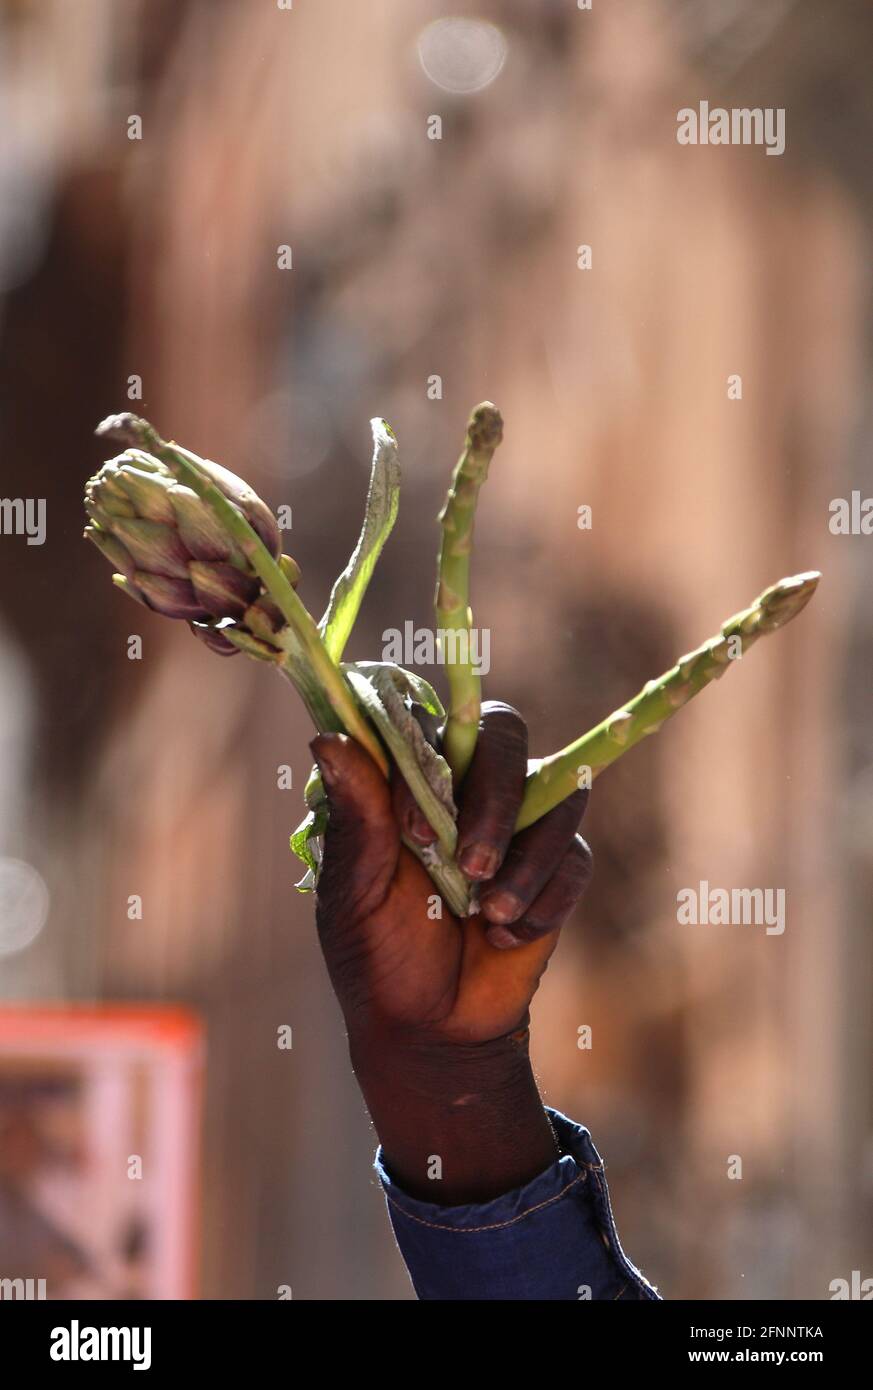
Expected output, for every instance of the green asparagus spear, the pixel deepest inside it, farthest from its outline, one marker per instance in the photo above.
(558, 776)
(453, 614)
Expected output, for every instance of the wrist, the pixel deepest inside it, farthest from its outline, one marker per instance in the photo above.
(458, 1122)
(433, 1060)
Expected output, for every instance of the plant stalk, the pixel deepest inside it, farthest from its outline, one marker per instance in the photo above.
(559, 775)
(454, 616)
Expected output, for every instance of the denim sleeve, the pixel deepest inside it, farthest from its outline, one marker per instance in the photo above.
(553, 1239)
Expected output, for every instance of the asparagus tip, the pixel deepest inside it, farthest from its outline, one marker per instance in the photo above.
(485, 427)
(126, 428)
(784, 600)
(382, 431)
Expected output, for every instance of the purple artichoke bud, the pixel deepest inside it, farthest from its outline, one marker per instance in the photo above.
(223, 591)
(249, 503)
(213, 639)
(119, 558)
(171, 549)
(175, 598)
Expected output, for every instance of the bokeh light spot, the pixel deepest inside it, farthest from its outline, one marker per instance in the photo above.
(462, 55)
(24, 905)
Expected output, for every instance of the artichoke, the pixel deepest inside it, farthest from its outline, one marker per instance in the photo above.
(173, 555)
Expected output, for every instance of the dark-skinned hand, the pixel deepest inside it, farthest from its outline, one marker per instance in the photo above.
(436, 1008)
(393, 961)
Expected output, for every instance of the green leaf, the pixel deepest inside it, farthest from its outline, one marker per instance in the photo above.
(306, 840)
(408, 682)
(381, 512)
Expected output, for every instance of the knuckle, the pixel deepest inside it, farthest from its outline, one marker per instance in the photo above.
(501, 721)
(494, 786)
(492, 707)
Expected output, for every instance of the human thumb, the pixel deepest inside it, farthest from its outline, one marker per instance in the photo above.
(362, 840)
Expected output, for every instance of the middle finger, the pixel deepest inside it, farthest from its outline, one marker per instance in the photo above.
(533, 857)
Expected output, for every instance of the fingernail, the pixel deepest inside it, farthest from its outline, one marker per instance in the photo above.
(502, 938)
(479, 861)
(418, 827)
(502, 907)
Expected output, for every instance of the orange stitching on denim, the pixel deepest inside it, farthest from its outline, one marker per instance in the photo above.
(498, 1225)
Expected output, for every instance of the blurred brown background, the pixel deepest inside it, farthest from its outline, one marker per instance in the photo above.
(415, 257)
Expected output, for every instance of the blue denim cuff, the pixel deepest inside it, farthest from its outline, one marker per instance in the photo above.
(553, 1239)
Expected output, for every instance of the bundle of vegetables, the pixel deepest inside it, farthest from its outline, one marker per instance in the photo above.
(189, 539)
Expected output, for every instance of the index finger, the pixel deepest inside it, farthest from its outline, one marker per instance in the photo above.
(492, 791)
